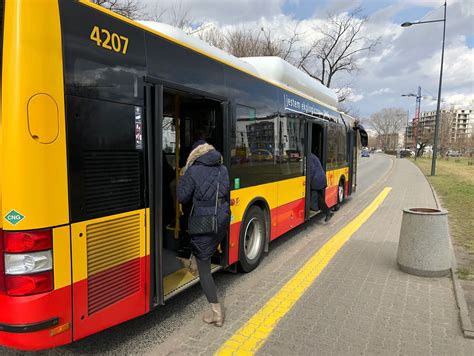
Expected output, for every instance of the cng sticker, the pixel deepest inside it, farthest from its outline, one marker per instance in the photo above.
(14, 217)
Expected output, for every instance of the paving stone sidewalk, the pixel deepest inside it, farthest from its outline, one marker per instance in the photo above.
(362, 304)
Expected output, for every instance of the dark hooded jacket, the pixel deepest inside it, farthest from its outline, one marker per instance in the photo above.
(199, 183)
(317, 176)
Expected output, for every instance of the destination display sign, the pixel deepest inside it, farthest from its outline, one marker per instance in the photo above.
(306, 107)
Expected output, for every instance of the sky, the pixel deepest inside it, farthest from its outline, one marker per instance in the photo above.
(404, 59)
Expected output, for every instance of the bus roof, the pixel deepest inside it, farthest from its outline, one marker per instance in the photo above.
(280, 71)
(272, 69)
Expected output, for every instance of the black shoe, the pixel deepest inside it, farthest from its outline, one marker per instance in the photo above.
(329, 216)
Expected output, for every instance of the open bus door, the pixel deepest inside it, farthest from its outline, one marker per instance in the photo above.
(316, 141)
(176, 117)
(353, 154)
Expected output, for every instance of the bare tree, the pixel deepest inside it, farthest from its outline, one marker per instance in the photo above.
(214, 37)
(282, 46)
(425, 134)
(245, 41)
(388, 123)
(155, 13)
(349, 109)
(129, 8)
(178, 15)
(242, 42)
(338, 48)
(446, 124)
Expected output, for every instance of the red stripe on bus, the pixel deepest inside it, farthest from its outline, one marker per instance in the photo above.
(234, 242)
(286, 217)
(35, 309)
(331, 195)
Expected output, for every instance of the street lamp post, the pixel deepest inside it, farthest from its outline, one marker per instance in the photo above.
(406, 129)
(436, 133)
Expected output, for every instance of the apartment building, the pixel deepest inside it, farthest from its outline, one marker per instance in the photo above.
(460, 119)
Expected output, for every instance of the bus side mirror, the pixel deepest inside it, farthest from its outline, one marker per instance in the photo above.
(364, 138)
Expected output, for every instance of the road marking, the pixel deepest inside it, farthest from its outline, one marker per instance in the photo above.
(253, 334)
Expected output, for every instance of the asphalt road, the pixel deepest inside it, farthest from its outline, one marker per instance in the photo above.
(143, 333)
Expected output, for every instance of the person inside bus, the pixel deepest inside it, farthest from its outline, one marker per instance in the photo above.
(198, 184)
(198, 135)
(318, 184)
(168, 201)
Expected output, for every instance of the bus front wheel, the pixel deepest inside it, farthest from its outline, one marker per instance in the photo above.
(252, 239)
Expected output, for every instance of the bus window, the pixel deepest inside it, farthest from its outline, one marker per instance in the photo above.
(332, 146)
(291, 143)
(254, 155)
(342, 147)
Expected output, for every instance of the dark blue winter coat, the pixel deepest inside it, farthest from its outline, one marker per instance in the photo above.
(199, 183)
(317, 176)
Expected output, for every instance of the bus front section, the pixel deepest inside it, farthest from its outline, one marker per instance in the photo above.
(35, 261)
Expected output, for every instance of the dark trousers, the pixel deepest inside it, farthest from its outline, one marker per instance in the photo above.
(206, 280)
(319, 196)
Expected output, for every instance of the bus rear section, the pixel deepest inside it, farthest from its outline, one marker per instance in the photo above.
(35, 278)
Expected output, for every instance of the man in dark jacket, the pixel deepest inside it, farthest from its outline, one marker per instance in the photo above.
(201, 175)
(318, 184)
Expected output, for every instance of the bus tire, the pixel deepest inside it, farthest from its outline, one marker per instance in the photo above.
(252, 239)
(340, 195)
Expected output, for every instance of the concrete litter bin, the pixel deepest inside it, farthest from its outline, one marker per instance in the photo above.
(424, 249)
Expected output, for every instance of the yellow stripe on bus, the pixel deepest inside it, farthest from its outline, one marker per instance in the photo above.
(62, 256)
(275, 194)
(334, 176)
(253, 334)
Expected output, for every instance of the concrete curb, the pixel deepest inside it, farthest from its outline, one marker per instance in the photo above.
(466, 325)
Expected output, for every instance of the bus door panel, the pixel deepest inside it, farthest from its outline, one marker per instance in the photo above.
(352, 161)
(155, 158)
(308, 145)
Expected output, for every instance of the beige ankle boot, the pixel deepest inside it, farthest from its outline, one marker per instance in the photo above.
(215, 315)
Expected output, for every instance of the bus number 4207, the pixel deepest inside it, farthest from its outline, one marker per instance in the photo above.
(111, 41)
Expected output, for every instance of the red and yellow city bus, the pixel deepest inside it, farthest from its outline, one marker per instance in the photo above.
(97, 116)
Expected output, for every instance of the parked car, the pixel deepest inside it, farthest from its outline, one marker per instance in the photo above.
(261, 155)
(452, 153)
(365, 153)
(407, 153)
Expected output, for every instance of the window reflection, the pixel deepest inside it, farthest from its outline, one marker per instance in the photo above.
(291, 145)
(266, 149)
(337, 150)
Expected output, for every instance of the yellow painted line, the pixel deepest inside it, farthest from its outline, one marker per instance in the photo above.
(252, 335)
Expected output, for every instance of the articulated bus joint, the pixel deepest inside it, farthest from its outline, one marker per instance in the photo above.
(28, 328)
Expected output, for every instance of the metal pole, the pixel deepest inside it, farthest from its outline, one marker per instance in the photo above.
(417, 118)
(406, 129)
(435, 146)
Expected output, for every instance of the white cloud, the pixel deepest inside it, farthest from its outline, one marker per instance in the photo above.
(224, 11)
(381, 91)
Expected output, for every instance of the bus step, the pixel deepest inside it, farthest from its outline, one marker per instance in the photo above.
(182, 279)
